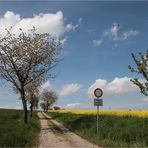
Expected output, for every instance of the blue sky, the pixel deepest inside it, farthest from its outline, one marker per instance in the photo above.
(99, 38)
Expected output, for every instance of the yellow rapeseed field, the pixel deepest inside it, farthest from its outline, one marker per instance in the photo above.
(138, 113)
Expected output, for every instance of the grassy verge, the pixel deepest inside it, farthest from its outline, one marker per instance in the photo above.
(114, 131)
(13, 131)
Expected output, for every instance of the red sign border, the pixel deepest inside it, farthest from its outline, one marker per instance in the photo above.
(95, 92)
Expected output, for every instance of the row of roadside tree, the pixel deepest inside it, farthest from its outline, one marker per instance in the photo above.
(26, 60)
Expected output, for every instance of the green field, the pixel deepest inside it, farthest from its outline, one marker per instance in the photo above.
(114, 131)
(13, 131)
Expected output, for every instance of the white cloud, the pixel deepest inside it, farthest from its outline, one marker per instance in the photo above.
(111, 33)
(78, 105)
(118, 87)
(71, 27)
(10, 107)
(114, 34)
(97, 42)
(63, 40)
(145, 99)
(73, 105)
(69, 89)
(129, 33)
(80, 20)
(52, 23)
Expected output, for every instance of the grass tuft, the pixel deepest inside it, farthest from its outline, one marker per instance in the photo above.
(14, 132)
(114, 131)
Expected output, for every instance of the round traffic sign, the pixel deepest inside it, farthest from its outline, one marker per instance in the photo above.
(98, 92)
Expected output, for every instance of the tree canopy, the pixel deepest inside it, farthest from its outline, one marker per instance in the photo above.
(142, 69)
(49, 98)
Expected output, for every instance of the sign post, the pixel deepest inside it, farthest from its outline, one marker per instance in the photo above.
(98, 102)
(97, 120)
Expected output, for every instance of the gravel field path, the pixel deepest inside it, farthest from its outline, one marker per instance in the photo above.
(54, 135)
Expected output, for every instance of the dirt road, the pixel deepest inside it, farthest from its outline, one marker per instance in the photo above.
(55, 135)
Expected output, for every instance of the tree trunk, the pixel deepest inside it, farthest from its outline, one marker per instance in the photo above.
(31, 109)
(24, 107)
(47, 108)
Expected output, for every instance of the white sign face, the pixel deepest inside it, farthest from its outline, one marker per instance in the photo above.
(98, 92)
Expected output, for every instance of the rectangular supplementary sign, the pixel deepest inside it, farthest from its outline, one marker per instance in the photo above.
(98, 102)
